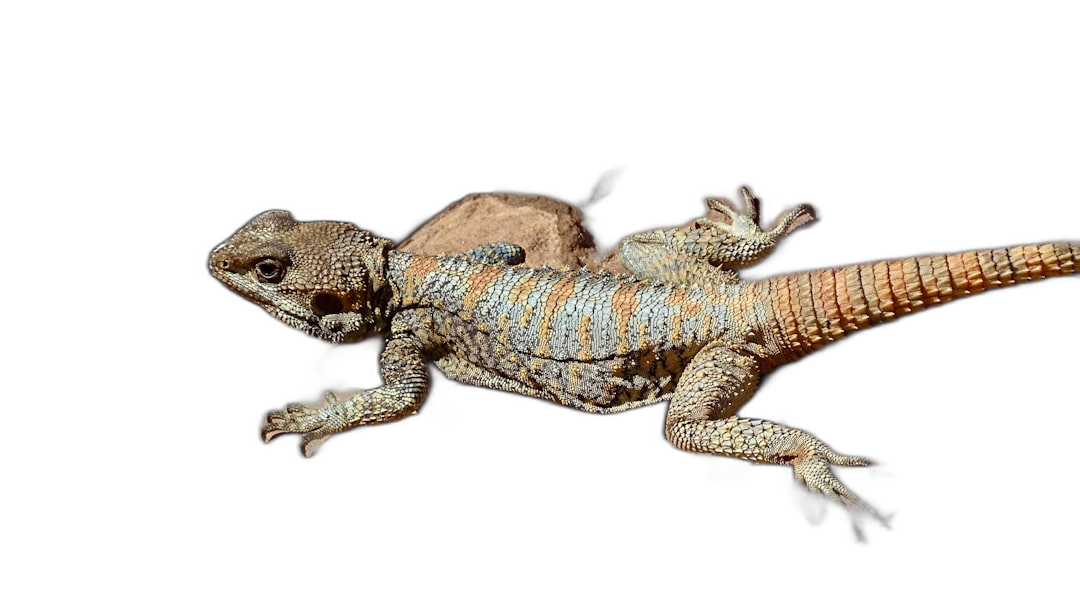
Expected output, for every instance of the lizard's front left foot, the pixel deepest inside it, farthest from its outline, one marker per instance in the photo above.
(316, 424)
(811, 459)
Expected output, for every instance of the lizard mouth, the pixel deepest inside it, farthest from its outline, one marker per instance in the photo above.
(288, 311)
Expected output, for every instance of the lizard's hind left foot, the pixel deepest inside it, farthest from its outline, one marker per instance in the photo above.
(811, 458)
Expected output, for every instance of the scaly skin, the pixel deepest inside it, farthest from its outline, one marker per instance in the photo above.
(820, 306)
(682, 327)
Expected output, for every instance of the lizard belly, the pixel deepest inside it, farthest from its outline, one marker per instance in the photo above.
(608, 385)
(599, 346)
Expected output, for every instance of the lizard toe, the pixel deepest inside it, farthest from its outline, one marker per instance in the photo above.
(311, 441)
(812, 470)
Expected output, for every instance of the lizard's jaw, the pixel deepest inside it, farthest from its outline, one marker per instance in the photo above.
(346, 327)
(288, 311)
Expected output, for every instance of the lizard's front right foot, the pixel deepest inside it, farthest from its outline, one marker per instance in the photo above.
(316, 424)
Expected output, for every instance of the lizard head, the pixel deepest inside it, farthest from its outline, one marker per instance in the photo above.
(325, 278)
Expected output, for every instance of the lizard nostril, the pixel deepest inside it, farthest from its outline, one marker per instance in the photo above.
(327, 304)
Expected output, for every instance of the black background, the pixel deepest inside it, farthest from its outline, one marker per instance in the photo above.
(962, 404)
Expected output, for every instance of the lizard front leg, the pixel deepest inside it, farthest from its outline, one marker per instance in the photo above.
(708, 250)
(405, 374)
(499, 252)
(701, 418)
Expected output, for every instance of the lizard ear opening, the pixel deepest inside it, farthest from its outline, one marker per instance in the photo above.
(327, 304)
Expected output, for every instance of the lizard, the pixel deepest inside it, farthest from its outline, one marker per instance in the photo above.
(681, 326)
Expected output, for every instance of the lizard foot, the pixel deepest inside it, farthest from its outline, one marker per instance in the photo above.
(745, 224)
(811, 459)
(499, 252)
(316, 423)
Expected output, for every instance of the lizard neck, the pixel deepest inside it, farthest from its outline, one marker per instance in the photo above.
(420, 280)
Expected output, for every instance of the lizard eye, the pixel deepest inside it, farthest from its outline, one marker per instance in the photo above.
(270, 270)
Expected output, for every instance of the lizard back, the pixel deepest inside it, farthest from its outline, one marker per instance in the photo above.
(581, 338)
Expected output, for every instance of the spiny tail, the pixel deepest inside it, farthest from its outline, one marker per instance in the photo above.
(813, 308)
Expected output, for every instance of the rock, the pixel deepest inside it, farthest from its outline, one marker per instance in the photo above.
(551, 231)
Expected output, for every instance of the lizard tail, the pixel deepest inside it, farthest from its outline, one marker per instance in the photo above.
(811, 309)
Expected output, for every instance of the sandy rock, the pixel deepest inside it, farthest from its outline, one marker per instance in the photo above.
(550, 231)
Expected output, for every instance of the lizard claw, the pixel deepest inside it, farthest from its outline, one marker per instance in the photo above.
(315, 424)
(722, 205)
(746, 225)
(811, 459)
(798, 216)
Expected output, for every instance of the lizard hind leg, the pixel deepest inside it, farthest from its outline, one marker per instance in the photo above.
(749, 221)
(709, 249)
(701, 418)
